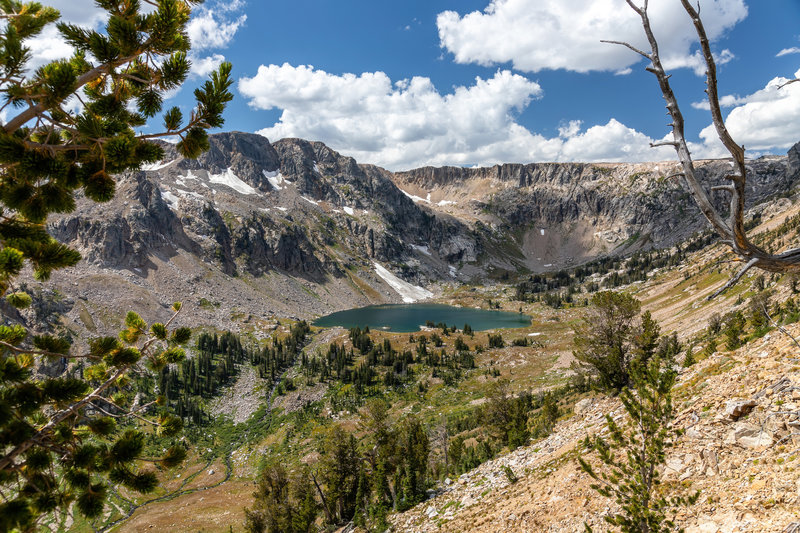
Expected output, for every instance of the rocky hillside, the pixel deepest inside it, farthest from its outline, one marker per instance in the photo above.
(739, 412)
(739, 409)
(254, 229)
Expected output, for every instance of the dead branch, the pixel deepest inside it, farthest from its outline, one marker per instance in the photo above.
(729, 227)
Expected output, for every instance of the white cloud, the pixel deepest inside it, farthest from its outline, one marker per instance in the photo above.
(612, 142)
(204, 66)
(553, 34)
(570, 129)
(231, 5)
(729, 100)
(787, 51)
(209, 29)
(766, 120)
(696, 61)
(213, 28)
(49, 45)
(85, 14)
(410, 124)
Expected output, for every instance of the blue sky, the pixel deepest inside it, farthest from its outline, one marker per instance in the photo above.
(465, 82)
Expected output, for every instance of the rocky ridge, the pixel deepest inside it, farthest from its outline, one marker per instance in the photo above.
(252, 231)
(562, 214)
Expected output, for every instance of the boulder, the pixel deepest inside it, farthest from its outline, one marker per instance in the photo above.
(582, 406)
(735, 409)
(749, 436)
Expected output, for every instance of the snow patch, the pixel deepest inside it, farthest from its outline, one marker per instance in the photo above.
(452, 270)
(282, 209)
(349, 211)
(423, 249)
(416, 198)
(181, 180)
(541, 232)
(158, 165)
(309, 200)
(232, 180)
(276, 179)
(190, 194)
(410, 293)
(446, 202)
(316, 169)
(534, 334)
(170, 198)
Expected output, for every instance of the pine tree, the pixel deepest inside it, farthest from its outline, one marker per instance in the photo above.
(606, 341)
(65, 439)
(632, 454)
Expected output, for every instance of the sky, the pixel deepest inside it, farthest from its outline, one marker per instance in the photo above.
(412, 83)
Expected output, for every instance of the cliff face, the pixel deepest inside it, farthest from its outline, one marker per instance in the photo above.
(292, 228)
(566, 213)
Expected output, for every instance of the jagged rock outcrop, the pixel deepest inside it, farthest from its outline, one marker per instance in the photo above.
(300, 226)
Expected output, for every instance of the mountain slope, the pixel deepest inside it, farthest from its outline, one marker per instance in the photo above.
(254, 229)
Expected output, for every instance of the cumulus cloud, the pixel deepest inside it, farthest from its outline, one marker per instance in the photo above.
(696, 62)
(612, 142)
(729, 100)
(536, 35)
(204, 66)
(766, 120)
(213, 29)
(49, 45)
(409, 123)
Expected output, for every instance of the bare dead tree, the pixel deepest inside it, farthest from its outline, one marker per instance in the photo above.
(730, 227)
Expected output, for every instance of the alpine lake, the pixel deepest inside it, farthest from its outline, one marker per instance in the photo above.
(408, 318)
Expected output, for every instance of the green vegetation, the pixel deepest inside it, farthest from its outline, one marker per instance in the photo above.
(64, 440)
(386, 458)
(633, 452)
(217, 361)
(559, 288)
(612, 339)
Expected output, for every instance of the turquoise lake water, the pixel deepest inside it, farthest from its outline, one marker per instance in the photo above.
(406, 318)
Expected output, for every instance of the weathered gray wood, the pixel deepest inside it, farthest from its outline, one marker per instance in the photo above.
(732, 230)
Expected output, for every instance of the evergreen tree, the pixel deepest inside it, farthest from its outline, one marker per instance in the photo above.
(339, 469)
(632, 454)
(605, 343)
(64, 439)
(283, 503)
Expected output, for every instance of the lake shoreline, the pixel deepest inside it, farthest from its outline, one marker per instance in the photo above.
(412, 317)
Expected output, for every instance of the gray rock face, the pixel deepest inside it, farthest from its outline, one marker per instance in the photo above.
(793, 161)
(299, 226)
(559, 214)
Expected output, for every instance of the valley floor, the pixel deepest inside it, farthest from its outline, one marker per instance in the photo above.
(746, 467)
